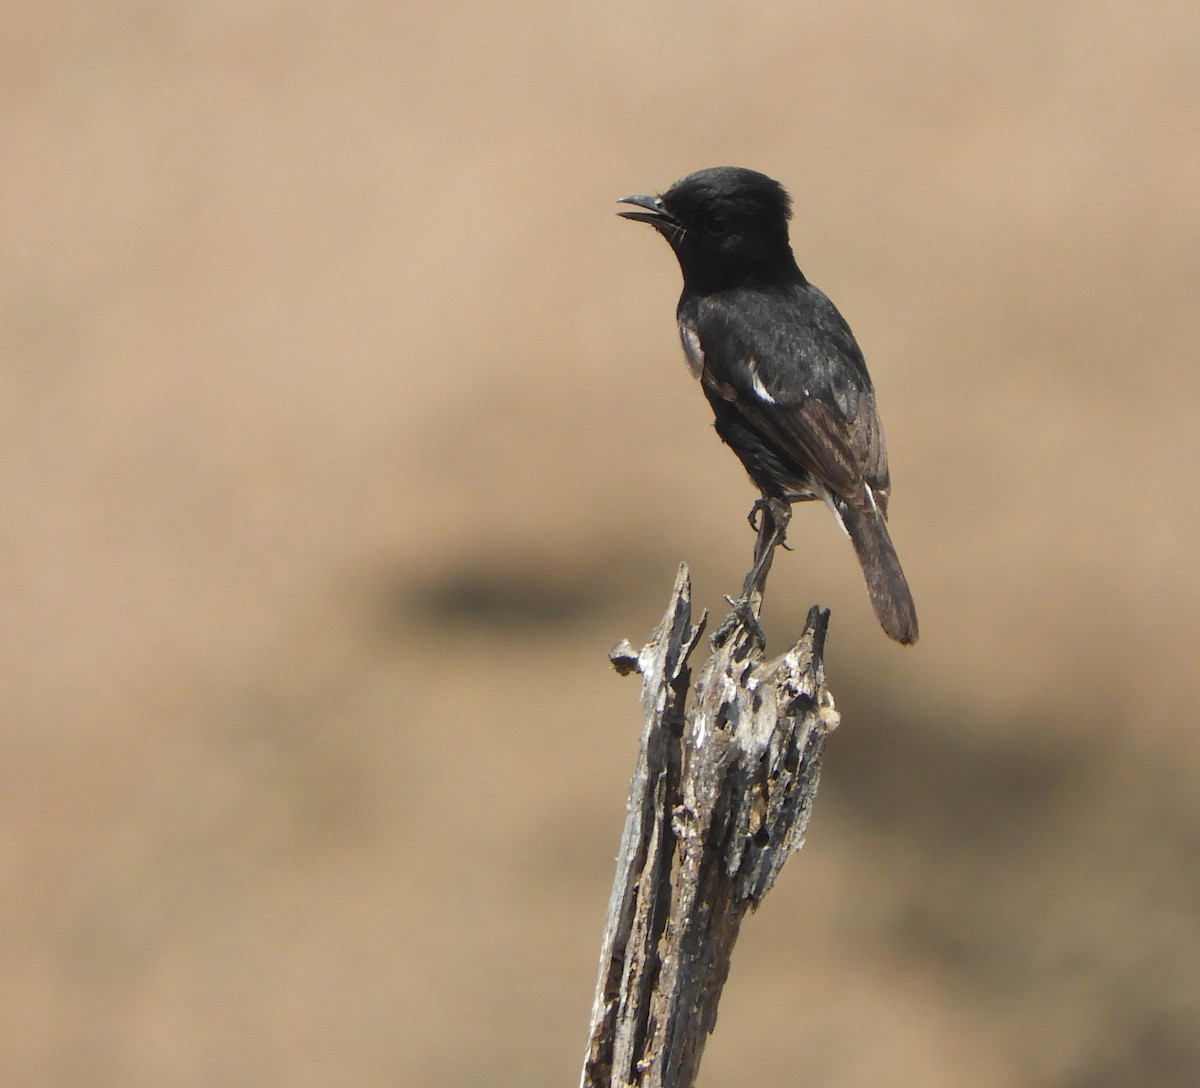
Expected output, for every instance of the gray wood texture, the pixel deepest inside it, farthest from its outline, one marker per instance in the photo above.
(720, 798)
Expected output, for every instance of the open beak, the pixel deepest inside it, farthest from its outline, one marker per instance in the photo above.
(655, 214)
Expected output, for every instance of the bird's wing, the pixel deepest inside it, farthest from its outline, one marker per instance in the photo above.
(790, 366)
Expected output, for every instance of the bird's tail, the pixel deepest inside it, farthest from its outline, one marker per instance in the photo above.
(886, 584)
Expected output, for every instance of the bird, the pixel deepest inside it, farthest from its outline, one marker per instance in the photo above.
(786, 380)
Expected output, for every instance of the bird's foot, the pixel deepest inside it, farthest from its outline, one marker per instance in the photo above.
(743, 616)
(756, 512)
(769, 505)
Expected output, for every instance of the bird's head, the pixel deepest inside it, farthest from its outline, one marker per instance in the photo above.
(727, 225)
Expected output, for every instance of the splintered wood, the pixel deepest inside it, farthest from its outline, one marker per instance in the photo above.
(720, 798)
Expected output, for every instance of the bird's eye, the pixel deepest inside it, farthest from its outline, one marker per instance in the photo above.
(715, 224)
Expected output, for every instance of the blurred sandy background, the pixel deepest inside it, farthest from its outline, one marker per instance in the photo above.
(345, 428)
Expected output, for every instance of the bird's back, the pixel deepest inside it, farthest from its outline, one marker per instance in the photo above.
(807, 394)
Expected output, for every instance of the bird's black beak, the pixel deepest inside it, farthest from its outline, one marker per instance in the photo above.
(655, 214)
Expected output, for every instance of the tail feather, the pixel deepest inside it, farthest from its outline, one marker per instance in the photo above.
(886, 584)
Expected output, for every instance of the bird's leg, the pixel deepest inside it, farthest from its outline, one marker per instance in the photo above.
(776, 513)
(772, 516)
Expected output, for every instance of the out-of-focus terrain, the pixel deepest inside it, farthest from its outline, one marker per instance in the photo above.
(344, 428)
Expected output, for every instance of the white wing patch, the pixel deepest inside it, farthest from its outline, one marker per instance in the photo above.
(692, 350)
(826, 495)
(756, 383)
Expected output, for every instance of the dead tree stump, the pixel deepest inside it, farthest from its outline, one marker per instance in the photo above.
(720, 798)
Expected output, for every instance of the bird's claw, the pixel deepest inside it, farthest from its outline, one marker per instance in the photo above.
(756, 512)
(743, 615)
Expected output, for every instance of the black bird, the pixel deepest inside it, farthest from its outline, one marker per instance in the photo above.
(779, 365)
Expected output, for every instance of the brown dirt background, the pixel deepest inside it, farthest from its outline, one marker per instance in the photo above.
(344, 428)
